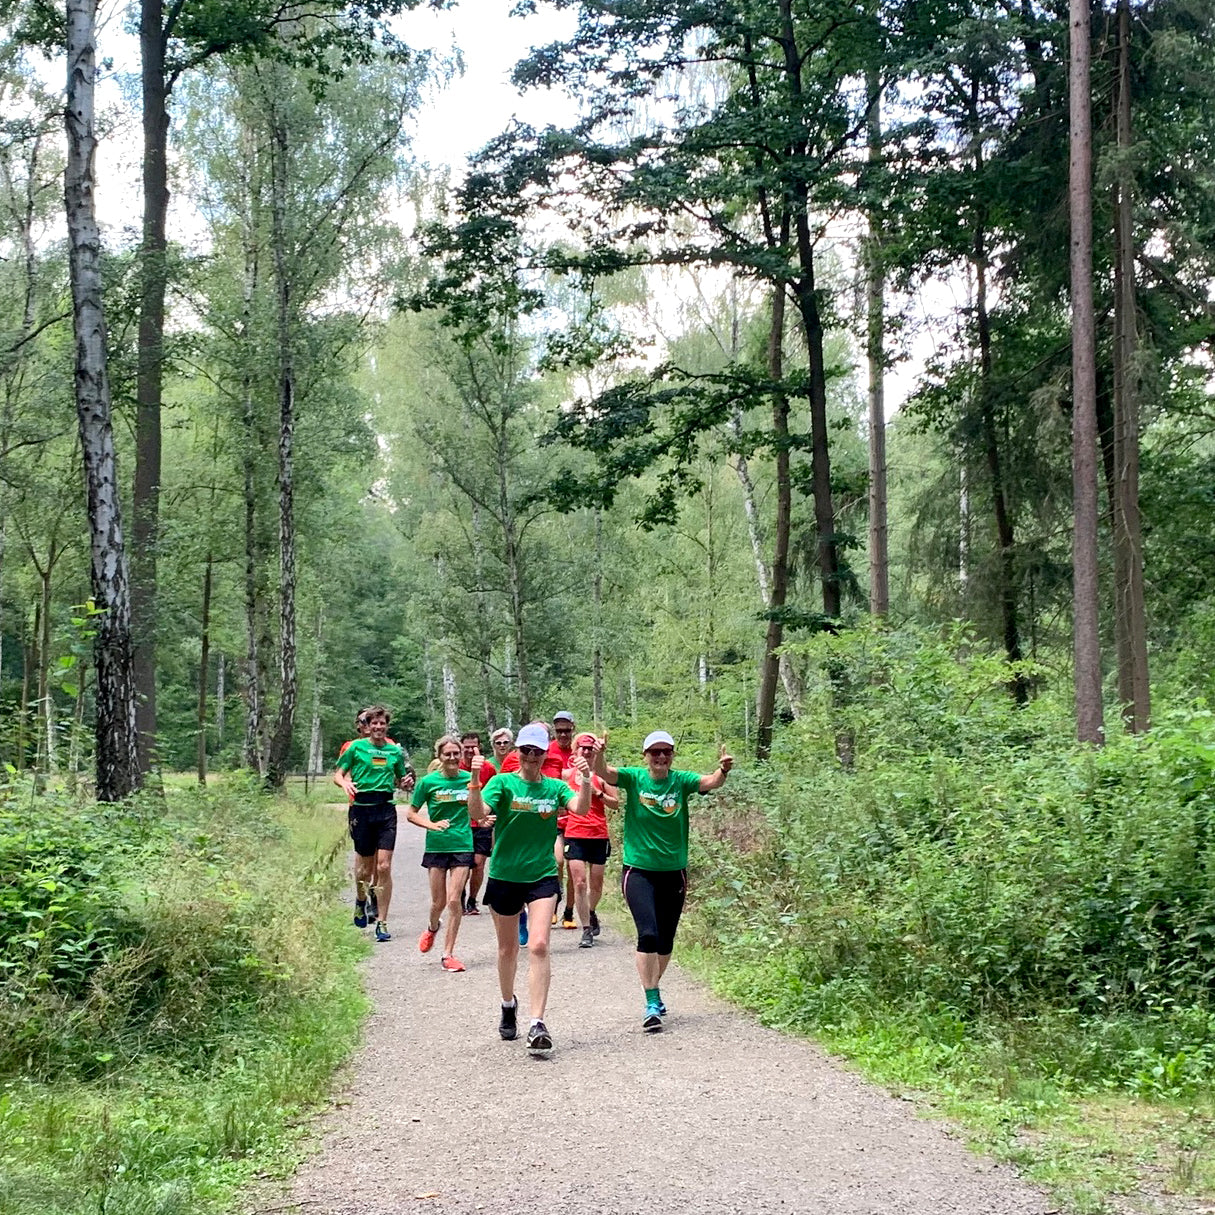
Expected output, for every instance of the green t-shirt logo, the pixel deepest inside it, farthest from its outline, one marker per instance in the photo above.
(666, 803)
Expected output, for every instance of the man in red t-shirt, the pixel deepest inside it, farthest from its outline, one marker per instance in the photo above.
(560, 757)
(483, 837)
(587, 846)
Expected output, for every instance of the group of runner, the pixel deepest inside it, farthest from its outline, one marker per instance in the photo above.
(515, 821)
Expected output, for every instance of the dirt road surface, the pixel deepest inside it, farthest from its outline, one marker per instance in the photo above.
(716, 1114)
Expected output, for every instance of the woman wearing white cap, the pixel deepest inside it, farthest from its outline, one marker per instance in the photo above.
(654, 877)
(523, 870)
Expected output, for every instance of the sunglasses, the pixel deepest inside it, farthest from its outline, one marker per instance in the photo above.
(585, 748)
(531, 751)
(501, 742)
(570, 731)
(661, 752)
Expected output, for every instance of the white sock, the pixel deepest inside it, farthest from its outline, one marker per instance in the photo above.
(536, 1021)
(511, 1003)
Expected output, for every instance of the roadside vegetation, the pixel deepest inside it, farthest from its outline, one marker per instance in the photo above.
(981, 913)
(177, 987)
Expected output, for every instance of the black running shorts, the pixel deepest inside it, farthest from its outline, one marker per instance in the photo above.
(593, 852)
(483, 840)
(447, 860)
(509, 898)
(373, 828)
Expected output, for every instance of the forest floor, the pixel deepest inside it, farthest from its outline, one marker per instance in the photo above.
(714, 1114)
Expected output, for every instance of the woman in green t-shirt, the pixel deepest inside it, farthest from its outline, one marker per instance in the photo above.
(523, 871)
(654, 874)
(449, 847)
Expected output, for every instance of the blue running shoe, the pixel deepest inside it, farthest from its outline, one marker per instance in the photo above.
(523, 927)
(381, 931)
(360, 915)
(652, 1022)
(662, 1008)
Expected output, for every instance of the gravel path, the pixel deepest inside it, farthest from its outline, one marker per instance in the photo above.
(714, 1114)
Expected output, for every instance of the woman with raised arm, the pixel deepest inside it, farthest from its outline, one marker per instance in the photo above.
(654, 874)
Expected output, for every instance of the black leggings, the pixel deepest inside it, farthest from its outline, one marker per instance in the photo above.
(655, 898)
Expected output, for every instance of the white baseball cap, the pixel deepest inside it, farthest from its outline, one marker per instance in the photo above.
(533, 735)
(564, 715)
(657, 736)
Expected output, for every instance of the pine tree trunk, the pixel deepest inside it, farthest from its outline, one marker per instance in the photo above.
(1005, 536)
(152, 276)
(117, 760)
(1134, 690)
(1086, 639)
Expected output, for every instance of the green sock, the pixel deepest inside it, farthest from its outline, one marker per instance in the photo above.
(651, 995)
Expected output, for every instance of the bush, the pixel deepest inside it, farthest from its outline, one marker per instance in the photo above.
(975, 862)
(150, 931)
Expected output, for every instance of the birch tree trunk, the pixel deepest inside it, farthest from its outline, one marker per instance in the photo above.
(117, 761)
(204, 667)
(1086, 644)
(766, 709)
(879, 561)
(280, 743)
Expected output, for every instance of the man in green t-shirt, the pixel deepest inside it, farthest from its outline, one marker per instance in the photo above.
(654, 875)
(523, 870)
(369, 771)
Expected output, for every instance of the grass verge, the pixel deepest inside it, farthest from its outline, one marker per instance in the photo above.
(219, 997)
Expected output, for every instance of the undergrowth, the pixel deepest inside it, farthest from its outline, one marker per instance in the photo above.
(176, 989)
(978, 909)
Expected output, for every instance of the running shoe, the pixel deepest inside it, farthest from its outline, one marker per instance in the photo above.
(652, 1022)
(471, 908)
(554, 917)
(452, 963)
(588, 939)
(381, 931)
(508, 1029)
(373, 906)
(426, 940)
(567, 920)
(523, 927)
(594, 923)
(539, 1040)
(360, 915)
(662, 1008)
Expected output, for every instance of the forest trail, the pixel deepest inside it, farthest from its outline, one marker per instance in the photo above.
(715, 1114)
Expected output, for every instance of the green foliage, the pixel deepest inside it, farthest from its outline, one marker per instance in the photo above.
(977, 866)
(185, 1001)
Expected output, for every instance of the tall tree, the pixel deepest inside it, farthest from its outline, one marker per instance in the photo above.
(324, 37)
(1130, 615)
(117, 763)
(1086, 639)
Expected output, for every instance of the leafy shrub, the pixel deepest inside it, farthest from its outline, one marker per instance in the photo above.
(149, 932)
(975, 861)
